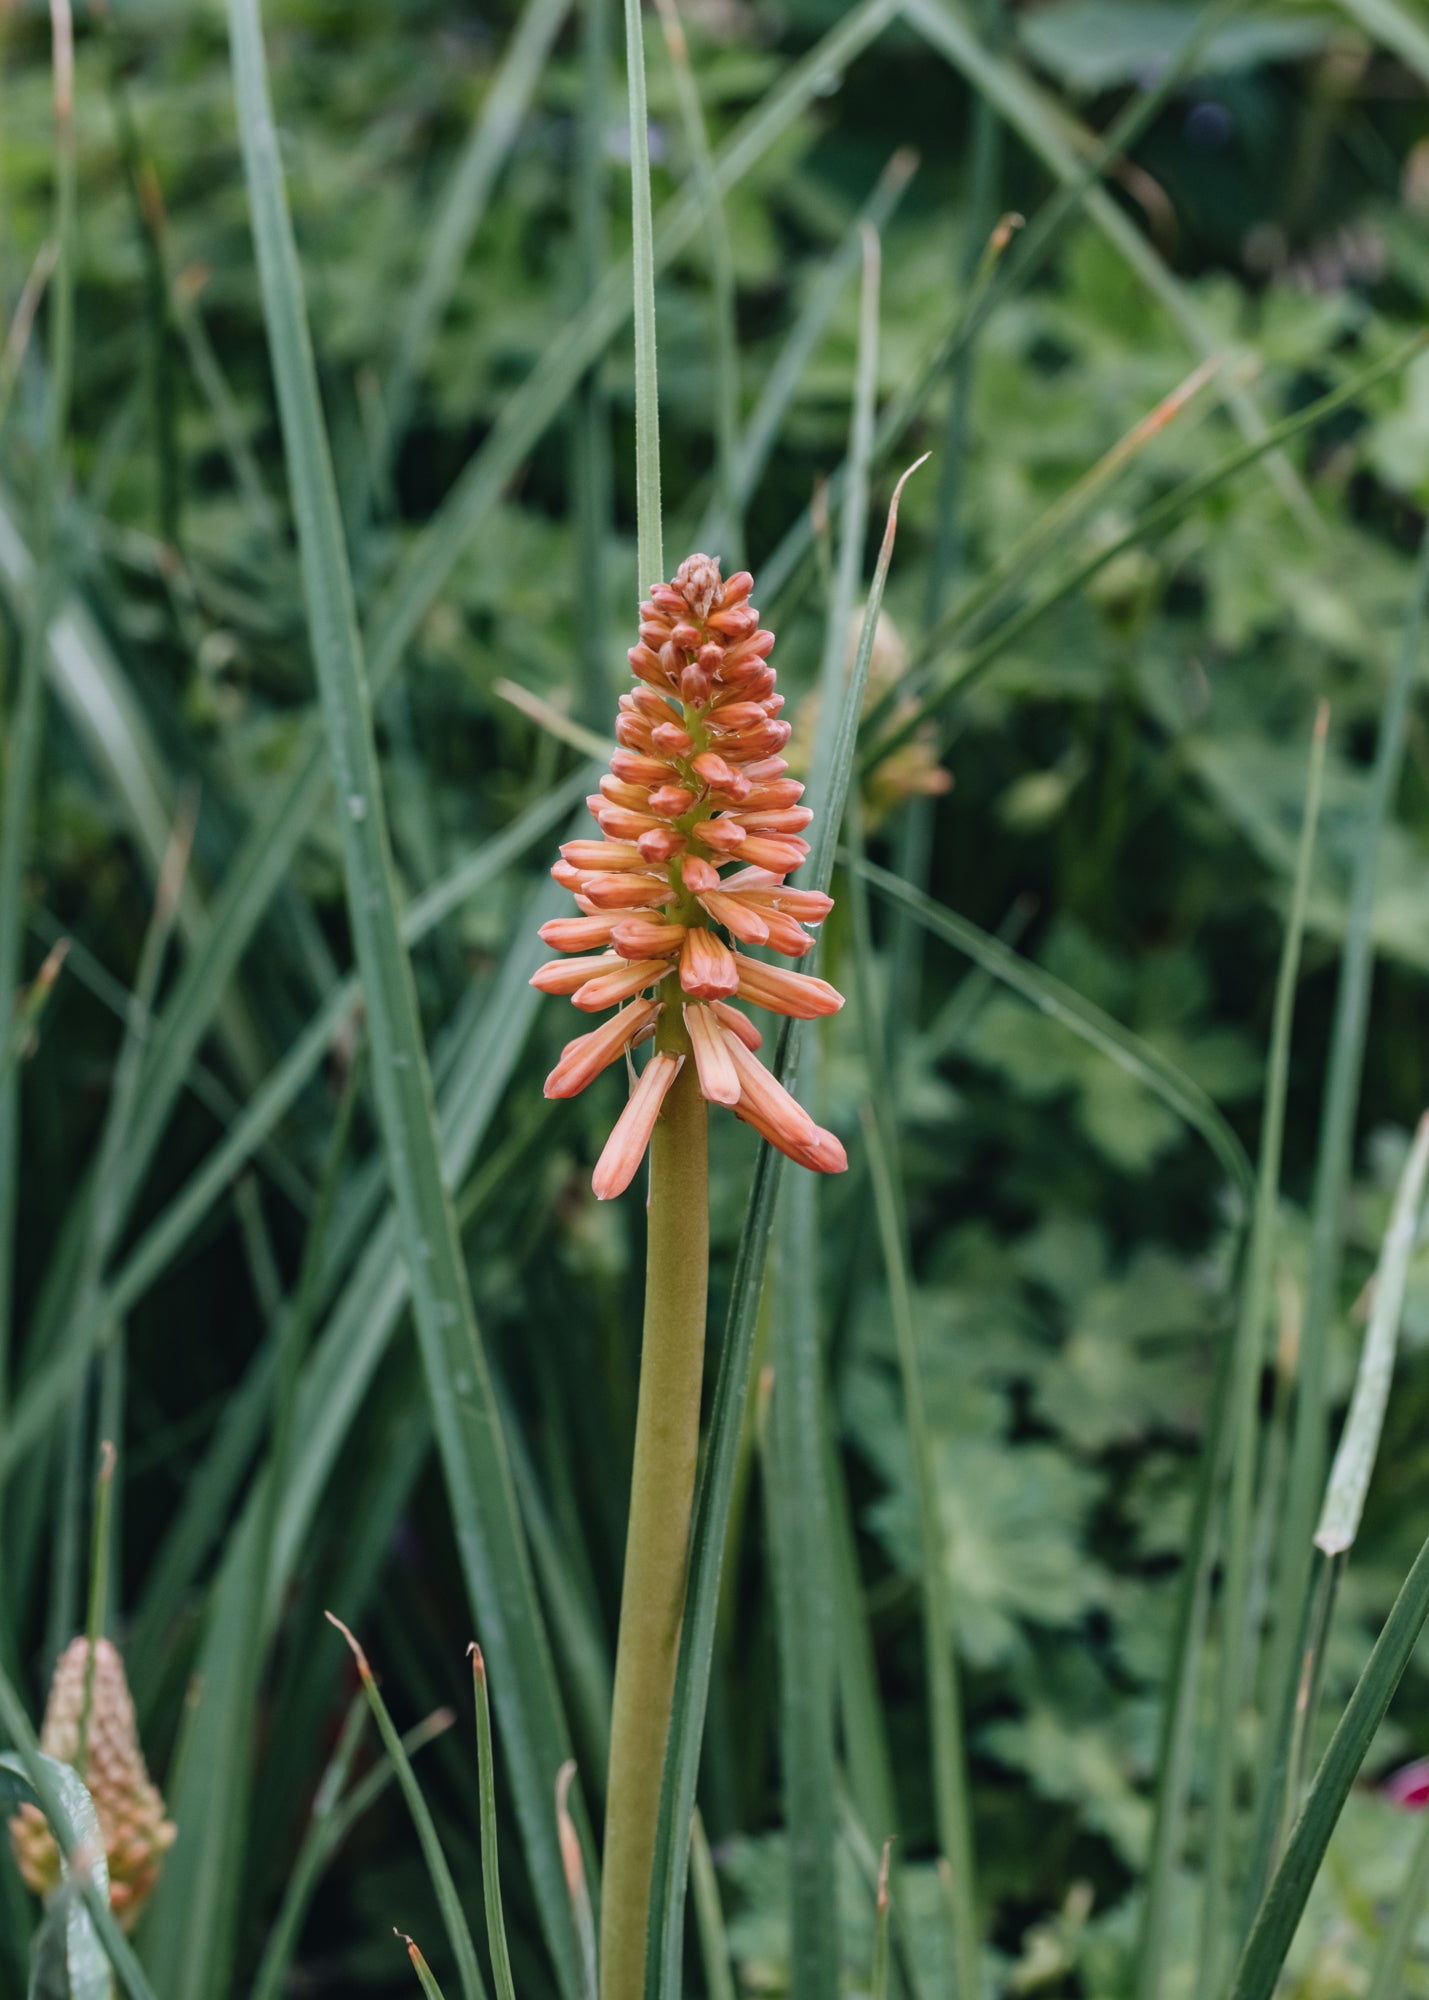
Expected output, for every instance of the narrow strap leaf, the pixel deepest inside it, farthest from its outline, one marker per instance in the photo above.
(1284, 1904)
(467, 1423)
(1359, 1442)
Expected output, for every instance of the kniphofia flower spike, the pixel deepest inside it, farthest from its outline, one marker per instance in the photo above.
(127, 1803)
(696, 786)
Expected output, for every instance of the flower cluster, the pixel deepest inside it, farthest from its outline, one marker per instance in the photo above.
(696, 784)
(126, 1800)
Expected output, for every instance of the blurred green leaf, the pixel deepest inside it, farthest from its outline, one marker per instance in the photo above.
(70, 1960)
(1014, 1520)
(1093, 44)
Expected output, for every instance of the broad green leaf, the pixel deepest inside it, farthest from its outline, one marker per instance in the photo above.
(1080, 1763)
(1013, 1521)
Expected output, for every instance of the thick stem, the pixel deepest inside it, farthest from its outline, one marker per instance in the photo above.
(667, 1434)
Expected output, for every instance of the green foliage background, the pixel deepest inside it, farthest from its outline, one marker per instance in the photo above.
(1128, 778)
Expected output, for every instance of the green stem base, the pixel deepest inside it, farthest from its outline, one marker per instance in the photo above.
(667, 1436)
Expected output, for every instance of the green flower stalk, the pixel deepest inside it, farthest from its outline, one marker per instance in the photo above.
(696, 786)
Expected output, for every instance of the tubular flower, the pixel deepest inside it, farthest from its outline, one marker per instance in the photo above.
(697, 785)
(126, 1800)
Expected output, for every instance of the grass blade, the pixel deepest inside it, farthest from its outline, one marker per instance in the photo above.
(362, 1323)
(1041, 125)
(1387, 1979)
(1359, 1441)
(649, 550)
(91, 1325)
(998, 278)
(146, 1262)
(1275, 1924)
(578, 1633)
(952, 1805)
(1354, 1461)
(798, 1503)
(723, 301)
(1308, 1448)
(1057, 520)
(453, 1916)
(1245, 1385)
(265, 859)
(46, 1393)
(853, 524)
(293, 1323)
(198, 1523)
(862, 1712)
(867, 1859)
(191, 1927)
(102, 709)
(803, 1594)
(106, 1210)
(582, 1915)
(525, 415)
(22, 323)
(709, 1916)
(965, 668)
(463, 204)
(984, 149)
(423, 1971)
(837, 774)
(1179, 1711)
(979, 248)
(592, 478)
(300, 1704)
(490, 1860)
(476, 871)
(1179, 1715)
(332, 1818)
(950, 1028)
(96, 1620)
(25, 724)
(468, 1431)
(358, 1334)
(207, 370)
(762, 430)
(879, 1983)
(24, 1035)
